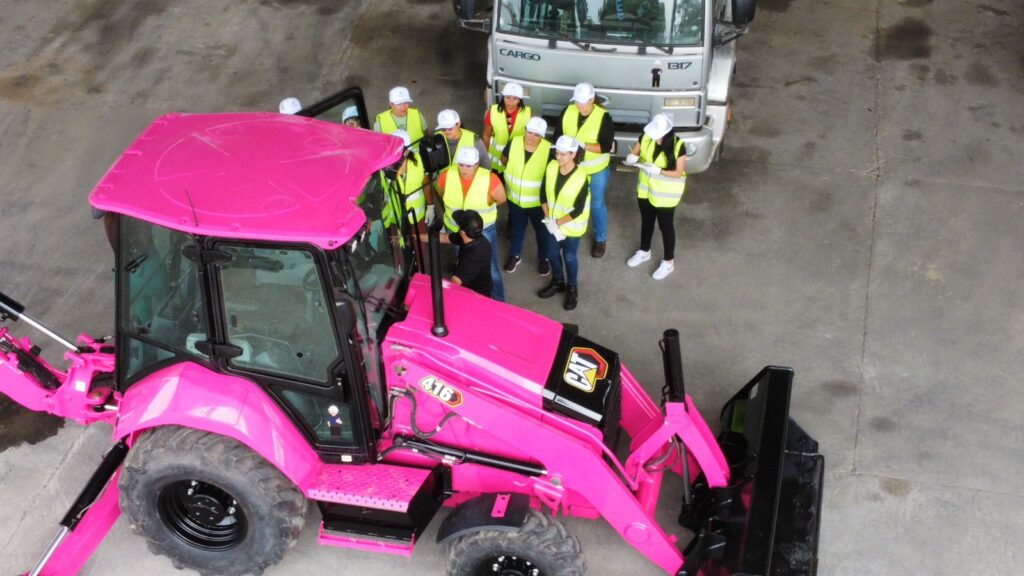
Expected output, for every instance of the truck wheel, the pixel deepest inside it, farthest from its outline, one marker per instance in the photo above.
(208, 502)
(541, 547)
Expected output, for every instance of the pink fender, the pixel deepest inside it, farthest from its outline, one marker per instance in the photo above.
(192, 396)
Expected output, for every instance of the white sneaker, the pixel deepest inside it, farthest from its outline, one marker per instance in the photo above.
(639, 258)
(663, 270)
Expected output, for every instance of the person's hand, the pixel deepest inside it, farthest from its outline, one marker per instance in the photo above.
(651, 169)
(632, 159)
(559, 235)
(430, 213)
(549, 223)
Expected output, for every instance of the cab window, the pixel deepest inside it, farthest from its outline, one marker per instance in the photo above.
(161, 312)
(276, 313)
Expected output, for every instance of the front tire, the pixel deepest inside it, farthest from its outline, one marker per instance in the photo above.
(208, 502)
(541, 547)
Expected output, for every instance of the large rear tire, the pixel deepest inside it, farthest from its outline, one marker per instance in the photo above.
(541, 547)
(208, 502)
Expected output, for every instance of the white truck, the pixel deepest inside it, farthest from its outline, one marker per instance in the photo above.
(645, 57)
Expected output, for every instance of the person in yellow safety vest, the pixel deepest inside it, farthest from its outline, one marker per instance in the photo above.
(456, 137)
(401, 115)
(593, 127)
(414, 185)
(526, 158)
(505, 121)
(289, 106)
(661, 158)
(468, 186)
(566, 206)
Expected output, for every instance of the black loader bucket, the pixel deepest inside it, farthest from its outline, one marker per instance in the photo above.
(766, 522)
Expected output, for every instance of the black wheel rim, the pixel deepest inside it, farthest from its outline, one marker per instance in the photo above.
(202, 514)
(507, 565)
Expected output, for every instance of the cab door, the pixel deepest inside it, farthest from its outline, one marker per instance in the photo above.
(275, 319)
(345, 107)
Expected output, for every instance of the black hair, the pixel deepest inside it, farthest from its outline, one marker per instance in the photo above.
(470, 222)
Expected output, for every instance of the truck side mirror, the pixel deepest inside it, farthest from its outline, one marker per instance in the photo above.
(743, 12)
(468, 13)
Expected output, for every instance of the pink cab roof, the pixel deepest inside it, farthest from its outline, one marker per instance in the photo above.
(260, 176)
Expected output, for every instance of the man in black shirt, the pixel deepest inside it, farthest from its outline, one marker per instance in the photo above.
(473, 264)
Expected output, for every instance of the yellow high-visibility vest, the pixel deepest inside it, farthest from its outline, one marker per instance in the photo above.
(477, 199)
(661, 191)
(593, 162)
(523, 178)
(500, 135)
(413, 124)
(561, 202)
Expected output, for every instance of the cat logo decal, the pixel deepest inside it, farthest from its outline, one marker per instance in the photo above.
(584, 369)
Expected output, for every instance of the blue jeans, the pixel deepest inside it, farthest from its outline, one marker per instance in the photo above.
(517, 218)
(598, 209)
(498, 290)
(565, 249)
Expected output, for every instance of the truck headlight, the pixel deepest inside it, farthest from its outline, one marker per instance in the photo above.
(687, 102)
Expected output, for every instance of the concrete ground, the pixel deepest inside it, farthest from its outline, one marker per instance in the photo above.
(865, 225)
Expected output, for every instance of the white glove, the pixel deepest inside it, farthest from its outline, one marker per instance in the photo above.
(549, 223)
(651, 169)
(632, 159)
(430, 212)
(559, 235)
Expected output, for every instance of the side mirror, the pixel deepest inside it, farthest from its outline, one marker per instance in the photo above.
(347, 311)
(434, 152)
(743, 12)
(467, 11)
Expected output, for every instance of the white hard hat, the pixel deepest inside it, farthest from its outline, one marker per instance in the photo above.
(289, 106)
(447, 119)
(566, 143)
(537, 125)
(658, 127)
(404, 136)
(513, 89)
(467, 156)
(583, 93)
(349, 113)
(399, 95)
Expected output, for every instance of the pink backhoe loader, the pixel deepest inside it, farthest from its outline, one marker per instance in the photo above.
(278, 346)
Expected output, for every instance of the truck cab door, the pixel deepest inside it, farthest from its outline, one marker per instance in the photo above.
(345, 107)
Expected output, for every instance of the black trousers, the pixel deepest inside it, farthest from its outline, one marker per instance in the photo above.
(665, 218)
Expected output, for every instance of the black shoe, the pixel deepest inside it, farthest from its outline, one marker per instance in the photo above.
(598, 250)
(571, 298)
(550, 290)
(512, 263)
(544, 268)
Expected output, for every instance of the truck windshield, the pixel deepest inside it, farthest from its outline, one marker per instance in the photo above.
(659, 23)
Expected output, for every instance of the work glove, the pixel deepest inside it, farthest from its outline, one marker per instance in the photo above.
(559, 235)
(552, 227)
(632, 159)
(651, 169)
(430, 213)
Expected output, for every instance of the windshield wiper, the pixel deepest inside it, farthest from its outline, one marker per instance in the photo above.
(666, 49)
(553, 43)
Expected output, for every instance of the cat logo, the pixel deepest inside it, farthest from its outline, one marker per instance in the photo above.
(584, 369)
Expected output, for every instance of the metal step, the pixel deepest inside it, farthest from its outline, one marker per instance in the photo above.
(375, 507)
(379, 486)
